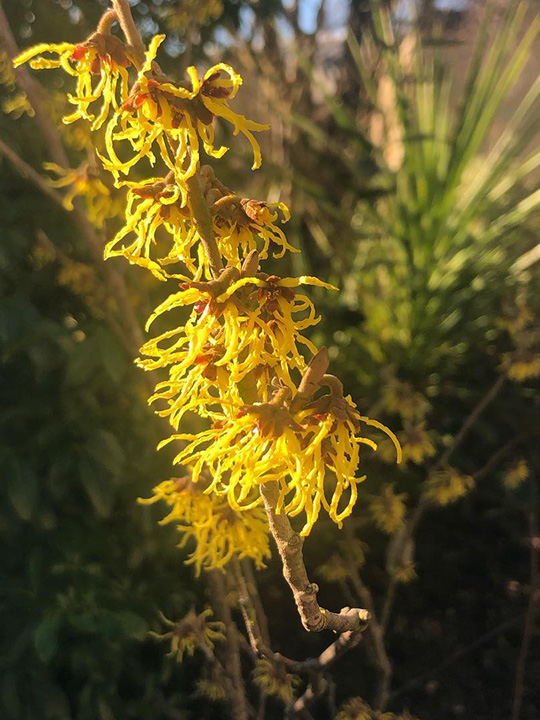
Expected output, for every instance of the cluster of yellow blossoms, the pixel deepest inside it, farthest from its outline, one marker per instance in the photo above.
(233, 341)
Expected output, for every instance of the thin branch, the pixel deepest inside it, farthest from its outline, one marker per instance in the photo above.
(34, 93)
(401, 540)
(248, 610)
(318, 667)
(28, 172)
(289, 545)
(203, 222)
(115, 281)
(218, 594)
(315, 689)
(471, 420)
(433, 672)
(133, 36)
(375, 633)
(253, 590)
(497, 456)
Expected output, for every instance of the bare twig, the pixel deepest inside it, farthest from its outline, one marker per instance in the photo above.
(34, 93)
(28, 172)
(115, 281)
(404, 537)
(133, 36)
(203, 222)
(471, 420)
(253, 591)
(448, 661)
(375, 633)
(216, 583)
(317, 667)
(248, 610)
(289, 545)
(497, 456)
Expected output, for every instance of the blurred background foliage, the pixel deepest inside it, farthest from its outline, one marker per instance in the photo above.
(414, 187)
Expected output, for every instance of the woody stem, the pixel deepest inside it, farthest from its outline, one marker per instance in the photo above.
(132, 35)
(203, 222)
(289, 545)
(107, 20)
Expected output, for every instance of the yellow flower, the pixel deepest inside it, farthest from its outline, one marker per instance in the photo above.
(162, 232)
(84, 182)
(100, 66)
(153, 205)
(213, 686)
(313, 455)
(358, 709)
(193, 12)
(161, 203)
(219, 532)
(7, 76)
(388, 508)
(251, 329)
(416, 443)
(447, 486)
(240, 222)
(178, 117)
(273, 679)
(191, 633)
(17, 105)
(516, 474)
(522, 364)
(401, 398)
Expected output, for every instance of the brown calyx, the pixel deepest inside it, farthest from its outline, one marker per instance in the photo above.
(272, 292)
(108, 48)
(273, 417)
(208, 89)
(209, 357)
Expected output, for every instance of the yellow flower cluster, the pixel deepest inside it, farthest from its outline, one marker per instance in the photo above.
(250, 331)
(176, 117)
(100, 66)
(273, 679)
(101, 204)
(232, 342)
(447, 486)
(159, 233)
(523, 363)
(388, 509)
(193, 12)
(213, 685)
(358, 709)
(16, 104)
(192, 632)
(516, 474)
(217, 530)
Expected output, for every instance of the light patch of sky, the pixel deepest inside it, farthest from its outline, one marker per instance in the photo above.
(406, 9)
(451, 4)
(336, 14)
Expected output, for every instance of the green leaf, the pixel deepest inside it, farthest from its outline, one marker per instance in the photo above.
(46, 637)
(112, 354)
(97, 483)
(23, 488)
(83, 362)
(60, 476)
(105, 449)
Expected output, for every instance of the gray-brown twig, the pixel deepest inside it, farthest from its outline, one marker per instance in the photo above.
(289, 545)
(28, 172)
